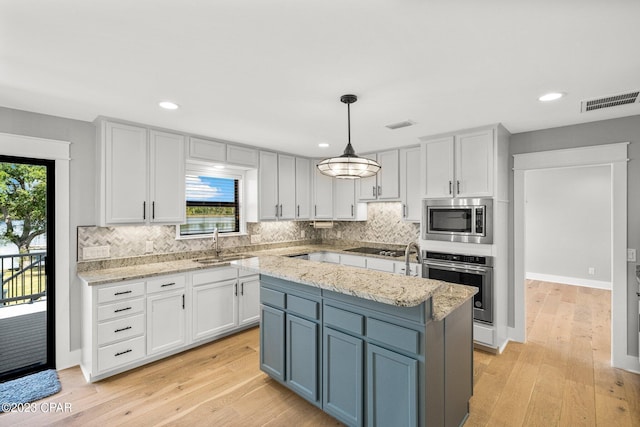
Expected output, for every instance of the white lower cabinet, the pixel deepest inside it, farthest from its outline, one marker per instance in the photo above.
(128, 324)
(249, 301)
(214, 309)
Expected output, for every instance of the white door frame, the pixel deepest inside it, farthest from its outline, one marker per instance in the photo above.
(614, 155)
(49, 149)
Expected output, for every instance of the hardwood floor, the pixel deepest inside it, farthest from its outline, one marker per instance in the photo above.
(560, 377)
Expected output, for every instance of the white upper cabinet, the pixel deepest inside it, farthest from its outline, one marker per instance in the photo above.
(322, 195)
(474, 164)
(277, 183)
(204, 149)
(140, 176)
(345, 199)
(410, 192)
(242, 156)
(123, 199)
(303, 188)
(460, 165)
(287, 186)
(167, 183)
(268, 183)
(386, 184)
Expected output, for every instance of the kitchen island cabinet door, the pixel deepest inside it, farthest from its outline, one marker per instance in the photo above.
(302, 358)
(391, 388)
(342, 370)
(166, 317)
(272, 342)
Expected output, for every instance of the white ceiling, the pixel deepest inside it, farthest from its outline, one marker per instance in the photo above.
(270, 73)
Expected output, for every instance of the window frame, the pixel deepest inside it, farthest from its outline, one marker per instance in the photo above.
(211, 171)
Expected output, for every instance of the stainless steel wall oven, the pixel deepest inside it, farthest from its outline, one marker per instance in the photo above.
(470, 270)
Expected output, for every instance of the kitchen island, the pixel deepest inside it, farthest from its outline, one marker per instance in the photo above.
(369, 348)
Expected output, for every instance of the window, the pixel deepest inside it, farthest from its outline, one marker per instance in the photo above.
(212, 201)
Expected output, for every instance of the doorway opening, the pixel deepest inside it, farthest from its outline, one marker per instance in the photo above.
(27, 263)
(615, 157)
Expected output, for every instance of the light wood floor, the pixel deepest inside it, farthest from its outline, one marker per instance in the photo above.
(560, 377)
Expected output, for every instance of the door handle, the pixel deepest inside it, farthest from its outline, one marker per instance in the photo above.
(298, 214)
(144, 210)
(235, 289)
(351, 210)
(450, 188)
(458, 191)
(379, 190)
(280, 211)
(153, 210)
(276, 211)
(374, 191)
(242, 288)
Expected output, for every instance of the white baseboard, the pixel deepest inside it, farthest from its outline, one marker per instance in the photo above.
(576, 281)
(70, 359)
(628, 363)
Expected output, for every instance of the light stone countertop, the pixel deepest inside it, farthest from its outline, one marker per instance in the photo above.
(404, 291)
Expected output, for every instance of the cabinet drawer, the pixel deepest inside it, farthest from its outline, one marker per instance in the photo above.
(214, 275)
(380, 265)
(393, 335)
(116, 293)
(273, 298)
(118, 329)
(303, 307)
(483, 334)
(344, 320)
(121, 353)
(353, 260)
(167, 283)
(120, 309)
(244, 273)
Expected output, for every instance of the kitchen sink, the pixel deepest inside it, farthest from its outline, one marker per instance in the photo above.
(220, 260)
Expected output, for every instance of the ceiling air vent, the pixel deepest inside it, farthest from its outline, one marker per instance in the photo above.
(609, 101)
(399, 125)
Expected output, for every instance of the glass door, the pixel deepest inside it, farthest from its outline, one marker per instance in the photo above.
(27, 330)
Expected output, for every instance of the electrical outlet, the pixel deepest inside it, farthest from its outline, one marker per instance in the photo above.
(302, 234)
(631, 255)
(96, 252)
(338, 234)
(256, 238)
(592, 271)
(149, 247)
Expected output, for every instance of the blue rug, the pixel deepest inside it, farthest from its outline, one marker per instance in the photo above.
(27, 389)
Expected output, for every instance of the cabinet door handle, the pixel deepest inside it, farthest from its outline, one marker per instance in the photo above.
(122, 309)
(351, 210)
(183, 301)
(280, 211)
(458, 183)
(450, 189)
(122, 329)
(373, 191)
(235, 289)
(123, 352)
(276, 211)
(315, 210)
(121, 293)
(379, 190)
(298, 214)
(153, 210)
(404, 210)
(242, 288)
(144, 210)
(168, 284)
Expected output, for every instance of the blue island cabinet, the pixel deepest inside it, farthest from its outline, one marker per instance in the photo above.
(290, 336)
(379, 364)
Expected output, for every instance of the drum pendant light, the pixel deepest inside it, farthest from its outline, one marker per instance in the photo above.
(349, 165)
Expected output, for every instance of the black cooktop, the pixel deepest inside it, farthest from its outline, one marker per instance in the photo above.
(376, 251)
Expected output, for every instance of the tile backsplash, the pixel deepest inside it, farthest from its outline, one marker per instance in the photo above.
(384, 225)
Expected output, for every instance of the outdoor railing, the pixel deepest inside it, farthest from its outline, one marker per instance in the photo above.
(24, 279)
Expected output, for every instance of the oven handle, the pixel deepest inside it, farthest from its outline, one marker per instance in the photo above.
(458, 268)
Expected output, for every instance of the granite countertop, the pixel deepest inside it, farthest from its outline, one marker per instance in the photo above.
(405, 291)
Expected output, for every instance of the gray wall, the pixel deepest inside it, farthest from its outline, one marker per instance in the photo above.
(626, 129)
(82, 192)
(568, 222)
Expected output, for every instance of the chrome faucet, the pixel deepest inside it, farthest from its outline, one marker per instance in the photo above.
(407, 252)
(216, 242)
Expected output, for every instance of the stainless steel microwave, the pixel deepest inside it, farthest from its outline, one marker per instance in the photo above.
(458, 220)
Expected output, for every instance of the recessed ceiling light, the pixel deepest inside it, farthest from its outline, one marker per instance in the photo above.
(219, 166)
(551, 96)
(168, 105)
(323, 145)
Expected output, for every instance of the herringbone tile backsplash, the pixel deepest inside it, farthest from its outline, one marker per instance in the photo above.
(384, 225)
